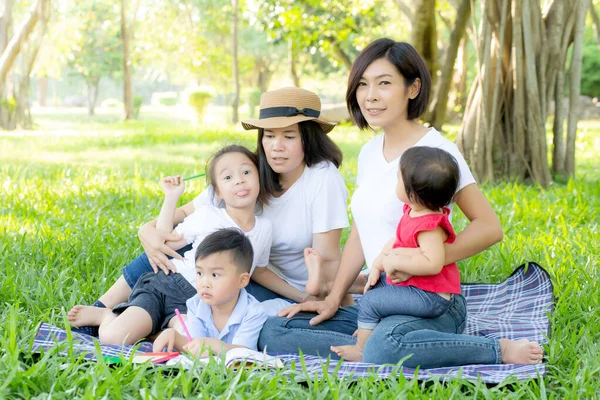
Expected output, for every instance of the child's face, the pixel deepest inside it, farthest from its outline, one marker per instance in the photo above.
(218, 279)
(400, 191)
(236, 180)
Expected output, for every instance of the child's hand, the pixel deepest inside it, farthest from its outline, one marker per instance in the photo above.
(173, 186)
(197, 346)
(372, 278)
(165, 339)
(391, 265)
(203, 346)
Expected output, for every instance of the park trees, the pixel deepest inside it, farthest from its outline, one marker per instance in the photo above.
(95, 50)
(521, 68)
(25, 43)
(336, 29)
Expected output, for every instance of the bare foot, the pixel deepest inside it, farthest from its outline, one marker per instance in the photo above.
(348, 353)
(315, 285)
(87, 315)
(520, 351)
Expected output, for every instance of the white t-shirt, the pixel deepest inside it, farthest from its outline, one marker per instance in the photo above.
(375, 207)
(207, 219)
(315, 203)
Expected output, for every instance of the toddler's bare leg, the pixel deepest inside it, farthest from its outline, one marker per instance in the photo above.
(118, 293)
(316, 285)
(132, 325)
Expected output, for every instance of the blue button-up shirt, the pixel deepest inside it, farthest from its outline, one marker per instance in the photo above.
(242, 327)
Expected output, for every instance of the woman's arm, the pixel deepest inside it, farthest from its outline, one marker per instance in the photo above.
(153, 240)
(327, 244)
(483, 230)
(351, 263)
(267, 278)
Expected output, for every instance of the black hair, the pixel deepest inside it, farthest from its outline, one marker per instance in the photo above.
(409, 64)
(263, 194)
(430, 176)
(317, 147)
(232, 240)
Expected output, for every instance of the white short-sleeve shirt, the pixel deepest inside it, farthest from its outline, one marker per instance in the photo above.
(242, 328)
(208, 219)
(315, 203)
(375, 207)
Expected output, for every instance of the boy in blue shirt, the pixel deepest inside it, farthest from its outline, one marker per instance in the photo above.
(222, 315)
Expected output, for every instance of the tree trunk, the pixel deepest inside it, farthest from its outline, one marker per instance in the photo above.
(406, 10)
(575, 87)
(23, 107)
(14, 46)
(5, 27)
(596, 22)
(43, 90)
(424, 35)
(127, 94)
(519, 71)
(439, 105)
(92, 95)
(5, 23)
(292, 63)
(461, 77)
(340, 54)
(264, 72)
(236, 75)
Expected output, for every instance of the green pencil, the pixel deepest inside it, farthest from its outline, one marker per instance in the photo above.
(193, 177)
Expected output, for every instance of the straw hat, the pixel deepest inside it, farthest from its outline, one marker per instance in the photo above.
(287, 106)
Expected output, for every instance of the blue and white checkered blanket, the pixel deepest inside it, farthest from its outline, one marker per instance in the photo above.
(517, 308)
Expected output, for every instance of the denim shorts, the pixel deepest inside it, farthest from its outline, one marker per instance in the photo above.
(159, 295)
(140, 265)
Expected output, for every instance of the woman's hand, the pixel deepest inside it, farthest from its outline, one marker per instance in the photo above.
(153, 242)
(373, 278)
(392, 263)
(325, 308)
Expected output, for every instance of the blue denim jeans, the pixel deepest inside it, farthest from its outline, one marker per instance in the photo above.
(140, 265)
(430, 342)
(385, 300)
(261, 293)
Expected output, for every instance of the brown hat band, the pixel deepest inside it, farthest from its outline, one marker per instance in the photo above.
(274, 112)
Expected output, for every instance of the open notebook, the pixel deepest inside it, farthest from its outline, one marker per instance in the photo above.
(234, 358)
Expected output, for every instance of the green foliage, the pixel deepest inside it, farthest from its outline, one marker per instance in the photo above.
(253, 101)
(95, 50)
(73, 204)
(165, 98)
(9, 103)
(198, 100)
(112, 103)
(590, 70)
(137, 104)
(315, 26)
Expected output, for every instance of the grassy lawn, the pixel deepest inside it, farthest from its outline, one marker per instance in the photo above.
(75, 191)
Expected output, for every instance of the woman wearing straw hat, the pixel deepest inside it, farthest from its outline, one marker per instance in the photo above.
(388, 87)
(298, 165)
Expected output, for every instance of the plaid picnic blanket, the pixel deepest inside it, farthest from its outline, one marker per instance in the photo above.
(516, 308)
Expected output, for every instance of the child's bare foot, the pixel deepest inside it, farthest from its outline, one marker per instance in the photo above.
(348, 353)
(520, 351)
(315, 284)
(87, 315)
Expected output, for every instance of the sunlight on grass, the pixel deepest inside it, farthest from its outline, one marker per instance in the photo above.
(74, 197)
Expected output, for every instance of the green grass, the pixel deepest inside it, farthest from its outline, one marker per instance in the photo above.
(73, 198)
